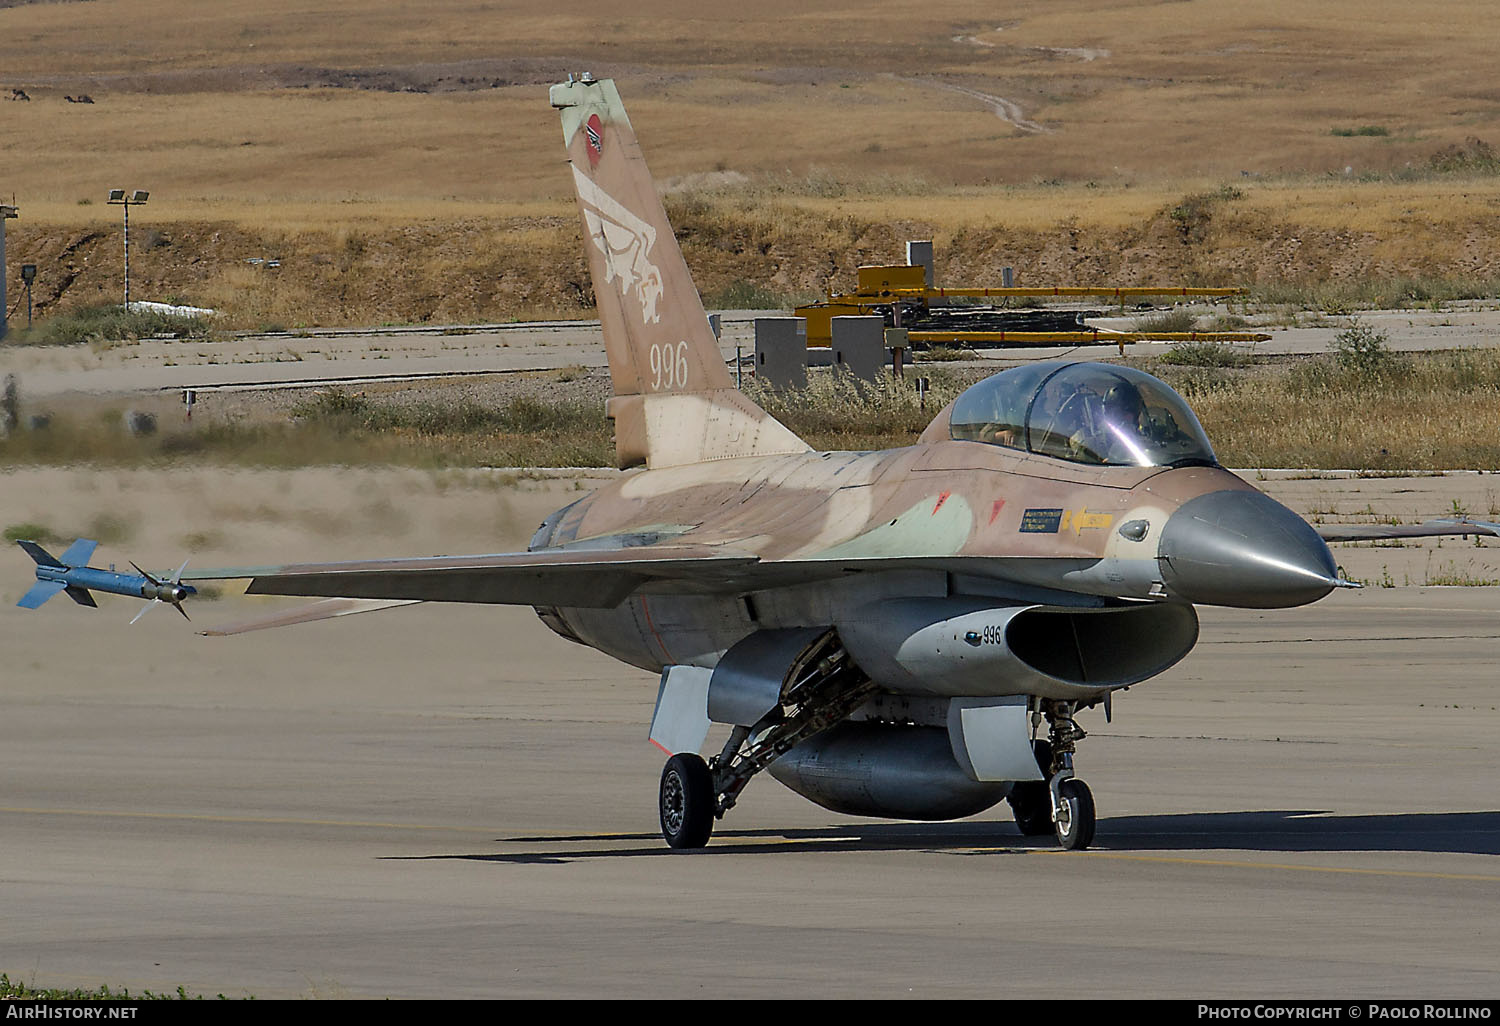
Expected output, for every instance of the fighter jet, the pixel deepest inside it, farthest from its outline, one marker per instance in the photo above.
(909, 633)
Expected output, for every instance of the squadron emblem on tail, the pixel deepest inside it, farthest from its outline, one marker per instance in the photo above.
(625, 241)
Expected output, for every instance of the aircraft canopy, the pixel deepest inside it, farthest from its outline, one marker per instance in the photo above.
(1093, 413)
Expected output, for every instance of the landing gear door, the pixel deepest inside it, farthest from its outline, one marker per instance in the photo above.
(680, 722)
(990, 738)
(748, 680)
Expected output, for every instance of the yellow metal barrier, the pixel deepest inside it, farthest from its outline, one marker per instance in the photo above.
(1092, 337)
(1114, 292)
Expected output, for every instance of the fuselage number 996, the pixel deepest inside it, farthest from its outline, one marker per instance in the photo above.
(991, 635)
(669, 366)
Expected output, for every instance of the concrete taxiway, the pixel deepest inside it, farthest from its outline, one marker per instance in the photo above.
(358, 356)
(451, 802)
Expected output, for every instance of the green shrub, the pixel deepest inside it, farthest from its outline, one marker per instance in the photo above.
(1172, 321)
(1362, 351)
(38, 533)
(1475, 156)
(747, 295)
(1206, 354)
(111, 325)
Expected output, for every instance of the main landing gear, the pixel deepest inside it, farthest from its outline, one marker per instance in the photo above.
(688, 802)
(821, 689)
(1061, 803)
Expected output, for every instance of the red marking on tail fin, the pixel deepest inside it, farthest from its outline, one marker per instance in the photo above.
(942, 498)
(595, 132)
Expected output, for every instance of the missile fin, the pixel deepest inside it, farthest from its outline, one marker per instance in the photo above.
(40, 592)
(79, 553)
(40, 555)
(143, 573)
(82, 597)
(145, 609)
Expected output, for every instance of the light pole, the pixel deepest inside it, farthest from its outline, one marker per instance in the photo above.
(118, 197)
(6, 213)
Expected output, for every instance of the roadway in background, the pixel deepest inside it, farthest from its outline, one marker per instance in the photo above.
(352, 356)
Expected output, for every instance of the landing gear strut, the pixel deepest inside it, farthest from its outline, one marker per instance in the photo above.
(821, 689)
(1061, 803)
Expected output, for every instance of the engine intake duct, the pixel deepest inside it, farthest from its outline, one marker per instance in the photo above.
(970, 646)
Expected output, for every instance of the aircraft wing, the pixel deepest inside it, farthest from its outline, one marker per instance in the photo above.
(581, 577)
(597, 578)
(1427, 529)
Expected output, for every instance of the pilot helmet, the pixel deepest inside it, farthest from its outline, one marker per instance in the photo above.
(1123, 401)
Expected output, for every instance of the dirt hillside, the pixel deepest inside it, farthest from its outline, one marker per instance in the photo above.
(481, 270)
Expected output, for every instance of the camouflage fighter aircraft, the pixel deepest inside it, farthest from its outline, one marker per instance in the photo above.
(886, 633)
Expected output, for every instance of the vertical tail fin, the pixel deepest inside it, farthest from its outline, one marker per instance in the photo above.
(674, 400)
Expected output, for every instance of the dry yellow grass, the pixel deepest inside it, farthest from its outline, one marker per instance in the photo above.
(833, 131)
(1158, 90)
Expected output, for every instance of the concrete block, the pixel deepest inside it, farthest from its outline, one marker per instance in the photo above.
(781, 352)
(859, 346)
(919, 254)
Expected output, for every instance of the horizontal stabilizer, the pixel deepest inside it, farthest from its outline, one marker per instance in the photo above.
(1426, 529)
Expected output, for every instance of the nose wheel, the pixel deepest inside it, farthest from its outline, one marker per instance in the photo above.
(1074, 818)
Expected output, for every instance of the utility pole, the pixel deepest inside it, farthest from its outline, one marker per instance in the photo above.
(6, 213)
(117, 197)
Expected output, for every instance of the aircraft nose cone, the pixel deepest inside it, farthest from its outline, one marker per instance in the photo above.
(1242, 548)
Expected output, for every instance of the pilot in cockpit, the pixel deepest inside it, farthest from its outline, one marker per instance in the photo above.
(1139, 432)
(1127, 425)
(1072, 419)
(1086, 413)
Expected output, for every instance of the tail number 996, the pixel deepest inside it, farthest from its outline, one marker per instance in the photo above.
(669, 366)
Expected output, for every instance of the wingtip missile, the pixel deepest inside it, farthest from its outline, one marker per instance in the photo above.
(70, 573)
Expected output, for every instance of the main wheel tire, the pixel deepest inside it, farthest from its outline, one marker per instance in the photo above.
(1075, 816)
(1032, 807)
(1030, 800)
(687, 801)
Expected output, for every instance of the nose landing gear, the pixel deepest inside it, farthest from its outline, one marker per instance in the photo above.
(1061, 804)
